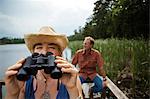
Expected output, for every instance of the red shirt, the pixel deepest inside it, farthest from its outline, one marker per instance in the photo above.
(87, 62)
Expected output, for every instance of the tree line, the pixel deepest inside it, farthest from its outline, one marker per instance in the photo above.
(6, 40)
(118, 19)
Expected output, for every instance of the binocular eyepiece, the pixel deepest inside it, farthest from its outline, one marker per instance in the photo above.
(37, 62)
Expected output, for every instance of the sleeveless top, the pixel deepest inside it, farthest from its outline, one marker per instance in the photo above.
(29, 90)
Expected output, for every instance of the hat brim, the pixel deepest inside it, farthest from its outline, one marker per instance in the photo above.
(32, 39)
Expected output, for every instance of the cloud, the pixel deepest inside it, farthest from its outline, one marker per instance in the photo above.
(7, 23)
(23, 16)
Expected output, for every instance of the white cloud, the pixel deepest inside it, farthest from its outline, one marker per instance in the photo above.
(29, 15)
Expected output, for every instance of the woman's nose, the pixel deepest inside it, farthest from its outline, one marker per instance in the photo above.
(44, 51)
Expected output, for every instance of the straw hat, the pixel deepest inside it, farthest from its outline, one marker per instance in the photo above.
(45, 34)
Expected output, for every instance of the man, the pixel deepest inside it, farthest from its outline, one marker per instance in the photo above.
(88, 59)
(42, 85)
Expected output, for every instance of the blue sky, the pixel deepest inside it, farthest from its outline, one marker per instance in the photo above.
(18, 17)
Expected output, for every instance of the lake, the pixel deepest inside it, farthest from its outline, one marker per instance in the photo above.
(10, 54)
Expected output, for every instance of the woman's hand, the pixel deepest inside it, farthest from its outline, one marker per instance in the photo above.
(12, 84)
(69, 78)
(70, 73)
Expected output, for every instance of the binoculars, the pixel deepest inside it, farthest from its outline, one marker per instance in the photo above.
(37, 62)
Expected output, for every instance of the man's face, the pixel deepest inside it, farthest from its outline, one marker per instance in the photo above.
(43, 48)
(87, 44)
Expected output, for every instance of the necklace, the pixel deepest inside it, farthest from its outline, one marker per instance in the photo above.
(46, 94)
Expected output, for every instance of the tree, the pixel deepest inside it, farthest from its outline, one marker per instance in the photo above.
(118, 18)
(130, 18)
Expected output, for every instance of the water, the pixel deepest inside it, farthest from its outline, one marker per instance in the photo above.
(10, 54)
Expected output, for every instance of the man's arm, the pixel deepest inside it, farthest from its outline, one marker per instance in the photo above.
(75, 59)
(100, 62)
(102, 72)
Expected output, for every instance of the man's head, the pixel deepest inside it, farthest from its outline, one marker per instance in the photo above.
(46, 35)
(88, 43)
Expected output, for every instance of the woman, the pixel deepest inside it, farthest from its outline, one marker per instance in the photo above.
(42, 86)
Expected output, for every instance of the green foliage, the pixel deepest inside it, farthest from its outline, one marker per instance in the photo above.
(140, 66)
(75, 45)
(6, 40)
(118, 18)
(78, 36)
(130, 18)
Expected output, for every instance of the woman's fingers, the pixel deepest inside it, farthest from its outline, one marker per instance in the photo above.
(14, 67)
(60, 58)
(12, 70)
(65, 65)
(69, 70)
(10, 73)
(61, 62)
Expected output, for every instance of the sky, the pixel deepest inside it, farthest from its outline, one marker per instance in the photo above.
(18, 17)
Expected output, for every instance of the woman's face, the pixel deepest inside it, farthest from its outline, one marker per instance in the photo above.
(43, 48)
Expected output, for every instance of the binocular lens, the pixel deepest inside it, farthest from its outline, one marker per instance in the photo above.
(22, 75)
(56, 73)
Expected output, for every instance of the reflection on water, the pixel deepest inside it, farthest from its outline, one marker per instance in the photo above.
(10, 54)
